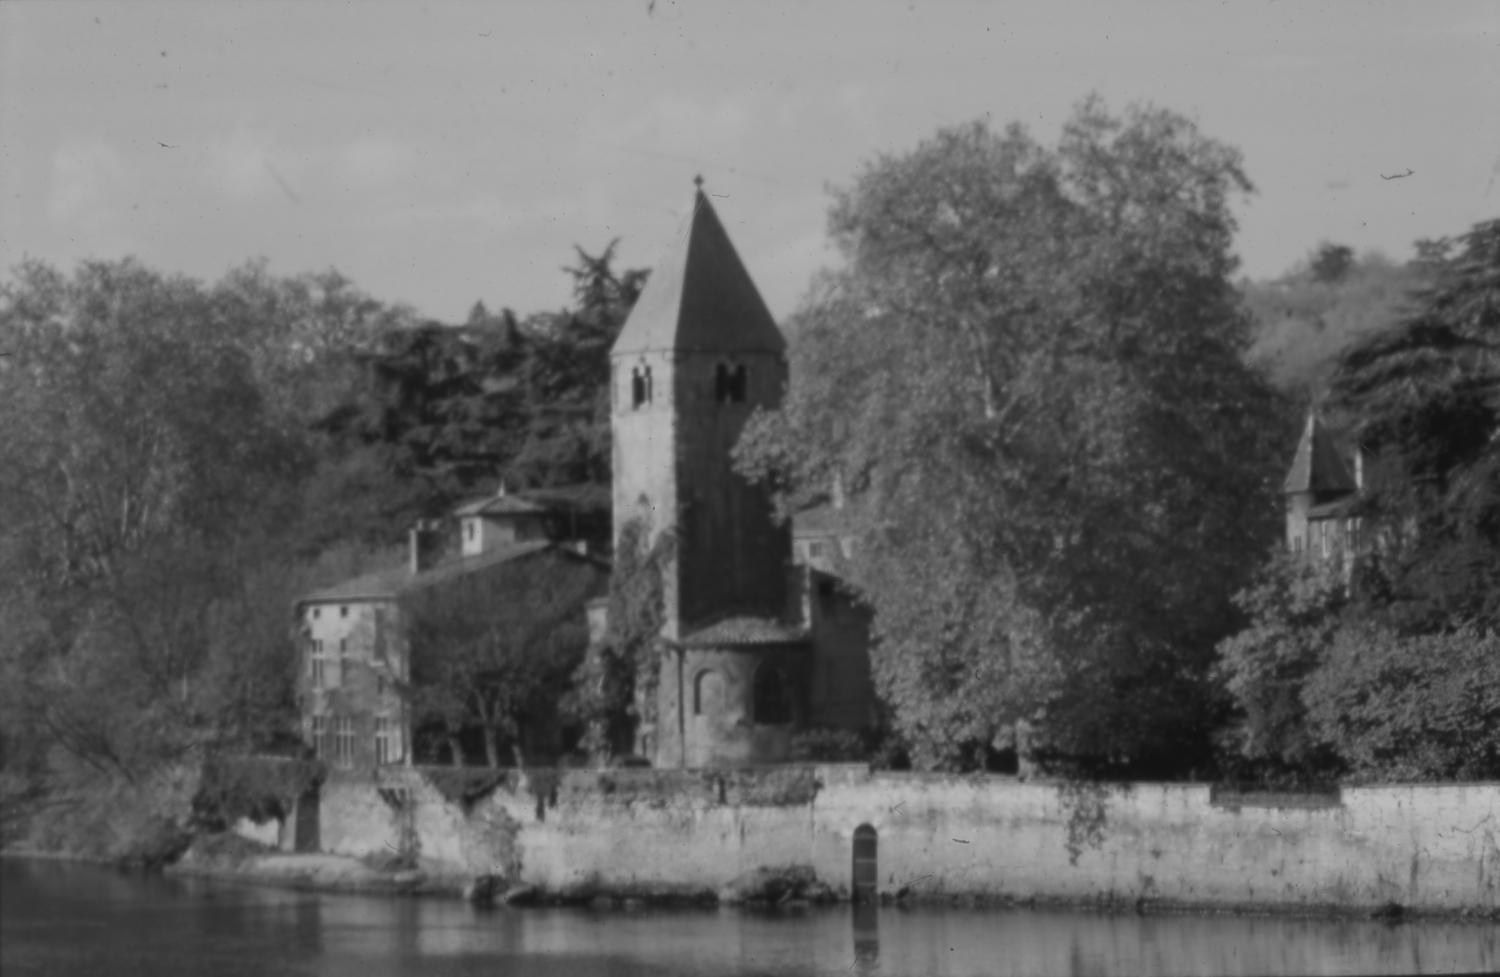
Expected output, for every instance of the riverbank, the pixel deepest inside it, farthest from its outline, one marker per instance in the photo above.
(938, 839)
(787, 888)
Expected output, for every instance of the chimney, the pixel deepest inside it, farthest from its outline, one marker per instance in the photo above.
(838, 490)
(1359, 468)
(422, 545)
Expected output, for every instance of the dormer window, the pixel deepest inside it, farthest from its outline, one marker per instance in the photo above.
(729, 384)
(640, 387)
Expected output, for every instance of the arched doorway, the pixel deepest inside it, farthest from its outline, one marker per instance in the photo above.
(866, 870)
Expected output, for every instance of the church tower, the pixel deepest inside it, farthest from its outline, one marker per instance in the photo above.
(697, 355)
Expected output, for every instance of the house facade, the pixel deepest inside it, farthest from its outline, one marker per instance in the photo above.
(1321, 490)
(357, 651)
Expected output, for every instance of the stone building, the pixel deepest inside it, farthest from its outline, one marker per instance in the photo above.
(759, 640)
(356, 650)
(1321, 489)
(754, 646)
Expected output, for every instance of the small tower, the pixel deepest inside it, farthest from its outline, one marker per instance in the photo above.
(1318, 487)
(698, 354)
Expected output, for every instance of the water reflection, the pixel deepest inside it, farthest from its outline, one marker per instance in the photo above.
(64, 919)
(866, 920)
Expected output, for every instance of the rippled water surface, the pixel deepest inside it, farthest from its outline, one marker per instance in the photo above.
(58, 919)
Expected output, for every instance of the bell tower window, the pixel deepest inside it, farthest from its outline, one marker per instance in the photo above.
(640, 387)
(729, 384)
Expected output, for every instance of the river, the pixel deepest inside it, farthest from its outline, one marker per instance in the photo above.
(64, 919)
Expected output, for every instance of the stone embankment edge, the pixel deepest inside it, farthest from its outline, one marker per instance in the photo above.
(343, 874)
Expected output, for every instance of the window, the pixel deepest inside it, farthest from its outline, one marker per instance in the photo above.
(640, 386)
(343, 646)
(320, 736)
(470, 527)
(729, 384)
(319, 675)
(343, 741)
(317, 646)
(708, 693)
(385, 741)
(380, 686)
(317, 613)
(344, 611)
(773, 700)
(817, 549)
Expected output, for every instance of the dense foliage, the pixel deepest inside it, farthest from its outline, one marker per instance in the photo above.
(183, 460)
(501, 666)
(151, 473)
(1392, 672)
(614, 692)
(1305, 319)
(447, 410)
(1030, 378)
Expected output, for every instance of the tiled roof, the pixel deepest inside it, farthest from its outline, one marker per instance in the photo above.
(745, 631)
(582, 497)
(499, 505)
(390, 583)
(1333, 510)
(1318, 465)
(820, 520)
(700, 297)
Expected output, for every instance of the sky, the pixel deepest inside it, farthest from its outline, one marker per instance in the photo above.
(440, 153)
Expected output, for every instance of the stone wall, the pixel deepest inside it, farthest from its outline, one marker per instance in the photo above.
(1428, 847)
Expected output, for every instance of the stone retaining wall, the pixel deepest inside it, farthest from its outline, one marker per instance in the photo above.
(1431, 847)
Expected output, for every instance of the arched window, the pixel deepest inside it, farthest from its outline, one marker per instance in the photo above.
(773, 696)
(640, 386)
(708, 693)
(729, 384)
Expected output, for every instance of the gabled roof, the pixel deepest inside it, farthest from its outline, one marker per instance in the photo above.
(745, 631)
(1318, 465)
(499, 505)
(820, 520)
(390, 583)
(700, 298)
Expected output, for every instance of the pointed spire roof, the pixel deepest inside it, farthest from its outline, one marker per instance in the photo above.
(699, 297)
(1318, 466)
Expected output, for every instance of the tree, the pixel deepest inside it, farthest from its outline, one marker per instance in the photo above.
(448, 408)
(1404, 707)
(1423, 397)
(496, 650)
(143, 470)
(614, 687)
(1293, 609)
(1304, 323)
(1392, 672)
(567, 436)
(1029, 378)
(1331, 262)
